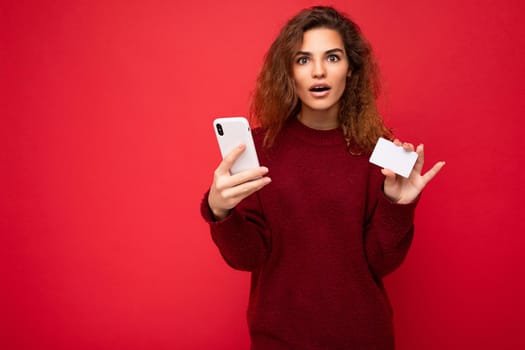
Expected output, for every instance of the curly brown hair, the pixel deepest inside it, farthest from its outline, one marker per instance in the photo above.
(275, 99)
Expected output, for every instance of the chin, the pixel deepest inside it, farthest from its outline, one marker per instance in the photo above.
(321, 107)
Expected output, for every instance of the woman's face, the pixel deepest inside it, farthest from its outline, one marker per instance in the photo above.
(320, 69)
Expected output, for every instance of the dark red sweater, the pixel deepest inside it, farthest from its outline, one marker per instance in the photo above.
(318, 241)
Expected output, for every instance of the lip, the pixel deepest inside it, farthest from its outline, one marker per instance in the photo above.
(319, 85)
(319, 93)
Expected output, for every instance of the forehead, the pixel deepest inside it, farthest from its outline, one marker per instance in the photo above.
(321, 40)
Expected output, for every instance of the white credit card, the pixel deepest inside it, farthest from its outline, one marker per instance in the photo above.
(389, 156)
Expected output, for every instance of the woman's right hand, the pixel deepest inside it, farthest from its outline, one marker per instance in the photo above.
(228, 190)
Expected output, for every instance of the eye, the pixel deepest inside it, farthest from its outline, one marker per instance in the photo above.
(302, 60)
(333, 58)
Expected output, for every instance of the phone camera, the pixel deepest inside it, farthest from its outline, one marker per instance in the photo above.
(219, 129)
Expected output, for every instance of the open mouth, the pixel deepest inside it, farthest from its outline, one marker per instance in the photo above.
(319, 88)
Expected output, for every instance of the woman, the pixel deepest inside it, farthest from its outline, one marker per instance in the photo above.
(320, 235)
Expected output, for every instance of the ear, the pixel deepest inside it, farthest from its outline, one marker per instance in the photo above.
(349, 74)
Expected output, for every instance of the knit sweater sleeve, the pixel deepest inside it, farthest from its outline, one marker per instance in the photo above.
(242, 237)
(389, 229)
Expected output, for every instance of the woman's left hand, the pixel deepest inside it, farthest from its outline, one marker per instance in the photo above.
(405, 190)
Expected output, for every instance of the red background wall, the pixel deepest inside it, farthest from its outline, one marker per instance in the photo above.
(107, 147)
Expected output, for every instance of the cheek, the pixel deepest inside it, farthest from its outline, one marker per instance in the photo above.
(344, 77)
(341, 85)
(298, 78)
(341, 82)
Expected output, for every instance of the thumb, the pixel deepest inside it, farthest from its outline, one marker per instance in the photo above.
(230, 158)
(390, 176)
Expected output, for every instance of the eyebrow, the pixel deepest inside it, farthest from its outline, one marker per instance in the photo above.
(307, 53)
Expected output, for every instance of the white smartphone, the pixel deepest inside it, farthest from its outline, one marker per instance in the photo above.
(230, 133)
(388, 155)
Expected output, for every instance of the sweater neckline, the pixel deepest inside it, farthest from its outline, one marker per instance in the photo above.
(315, 136)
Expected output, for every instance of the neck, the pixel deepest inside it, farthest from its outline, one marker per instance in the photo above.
(319, 120)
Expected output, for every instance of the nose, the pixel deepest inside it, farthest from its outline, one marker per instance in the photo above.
(318, 69)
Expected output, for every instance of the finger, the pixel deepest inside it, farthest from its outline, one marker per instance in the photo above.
(226, 164)
(390, 188)
(397, 142)
(244, 190)
(390, 176)
(408, 146)
(242, 177)
(388, 172)
(429, 175)
(418, 167)
(247, 175)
